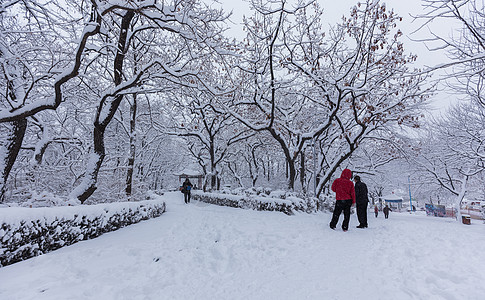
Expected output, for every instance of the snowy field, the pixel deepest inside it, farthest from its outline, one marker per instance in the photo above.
(201, 251)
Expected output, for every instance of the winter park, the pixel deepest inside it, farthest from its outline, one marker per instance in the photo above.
(259, 149)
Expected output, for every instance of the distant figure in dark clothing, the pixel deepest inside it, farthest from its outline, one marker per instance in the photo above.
(186, 187)
(386, 211)
(376, 210)
(361, 201)
(345, 195)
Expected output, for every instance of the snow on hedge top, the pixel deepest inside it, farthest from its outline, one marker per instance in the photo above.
(15, 215)
(261, 199)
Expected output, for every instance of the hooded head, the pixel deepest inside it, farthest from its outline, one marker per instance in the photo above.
(346, 174)
(357, 178)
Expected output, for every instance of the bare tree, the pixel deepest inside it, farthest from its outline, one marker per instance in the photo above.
(338, 88)
(211, 133)
(192, 24)
(465, 47)
(436, 167)
(460, 130)
(35, 64)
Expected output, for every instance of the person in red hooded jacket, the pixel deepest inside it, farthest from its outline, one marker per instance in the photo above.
(345, 195)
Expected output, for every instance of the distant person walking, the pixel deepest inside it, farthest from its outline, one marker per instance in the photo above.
(386, 211)
(345, 195)
(361, 202)
(376, 210)
(186, 187)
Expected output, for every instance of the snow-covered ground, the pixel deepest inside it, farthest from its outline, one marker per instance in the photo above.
(201, 251)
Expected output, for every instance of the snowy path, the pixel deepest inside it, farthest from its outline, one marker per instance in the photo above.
(201, 251)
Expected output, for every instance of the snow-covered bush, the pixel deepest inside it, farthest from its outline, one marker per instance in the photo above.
(281, 201)
(240, 201)
(278, 194)
(47, 199)
(28, 232)
(326, 203)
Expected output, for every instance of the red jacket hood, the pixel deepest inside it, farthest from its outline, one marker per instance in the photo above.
(343, 187)
(346, 174)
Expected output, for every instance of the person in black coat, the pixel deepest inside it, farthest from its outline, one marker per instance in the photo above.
(361, 201)
(386, 211)
(186, 187)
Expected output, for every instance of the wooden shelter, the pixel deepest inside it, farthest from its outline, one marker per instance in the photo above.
(197, 178)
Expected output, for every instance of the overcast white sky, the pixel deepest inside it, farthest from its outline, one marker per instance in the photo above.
(334, 10)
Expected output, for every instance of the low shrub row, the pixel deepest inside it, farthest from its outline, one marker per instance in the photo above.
(287, 205)
(28, 232)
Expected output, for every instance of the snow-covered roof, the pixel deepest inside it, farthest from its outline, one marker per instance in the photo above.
(189, 172)
(392, 197)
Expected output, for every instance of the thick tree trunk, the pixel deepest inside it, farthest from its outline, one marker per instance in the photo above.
(88, 185)
(213, 178)
(459, 198)
(291, 174)
(104, 115)
(12, 149)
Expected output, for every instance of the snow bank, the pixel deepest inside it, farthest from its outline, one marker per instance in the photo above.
(279, 202)
(28, 232)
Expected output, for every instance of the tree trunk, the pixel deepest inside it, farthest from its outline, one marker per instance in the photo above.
(459, 198)
(214, 178)
(291, 174)
(268, 171)
(254, 174)
(12, 147)
(131, 159)
(88, 186)
(302, 171)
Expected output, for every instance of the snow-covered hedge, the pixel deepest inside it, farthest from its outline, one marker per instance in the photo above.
(280, 201)
(28, 232)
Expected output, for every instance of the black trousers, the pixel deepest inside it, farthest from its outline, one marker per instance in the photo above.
(187, 197)
(362, 213)
(341, 206)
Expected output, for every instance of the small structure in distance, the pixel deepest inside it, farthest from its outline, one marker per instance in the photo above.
(194, 176)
